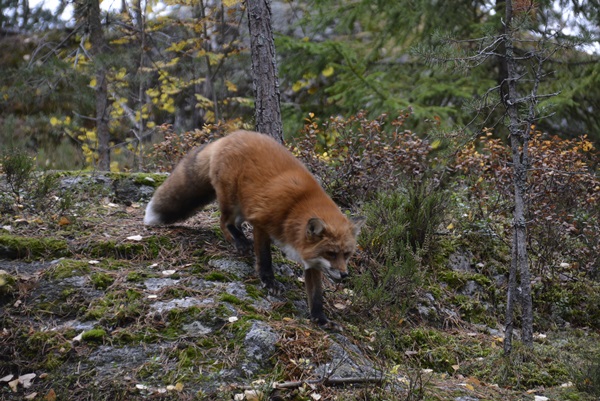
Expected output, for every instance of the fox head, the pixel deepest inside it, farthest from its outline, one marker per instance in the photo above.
(330, 246)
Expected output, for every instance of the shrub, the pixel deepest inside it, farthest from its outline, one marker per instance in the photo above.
(399, 231)
(175, 145)
(357, 157)
(562, 197)
(24, 189)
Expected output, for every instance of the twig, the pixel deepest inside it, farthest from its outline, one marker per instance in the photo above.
(325, 382)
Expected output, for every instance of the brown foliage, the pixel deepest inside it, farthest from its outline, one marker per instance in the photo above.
(562, 196)
(358, 157)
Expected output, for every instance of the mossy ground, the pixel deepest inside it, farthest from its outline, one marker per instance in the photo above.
(87, 305)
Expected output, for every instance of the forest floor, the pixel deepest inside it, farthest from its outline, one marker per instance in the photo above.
(96, 306)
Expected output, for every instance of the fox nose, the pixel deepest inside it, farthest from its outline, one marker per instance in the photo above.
(343, 275)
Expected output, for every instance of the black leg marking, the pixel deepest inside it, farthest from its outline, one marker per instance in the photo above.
(241, 243)
(264, 263)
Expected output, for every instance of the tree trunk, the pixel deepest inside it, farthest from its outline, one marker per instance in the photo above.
(98, 49)
(519, 139)
(265, 80)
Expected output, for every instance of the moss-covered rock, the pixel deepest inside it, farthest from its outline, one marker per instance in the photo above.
(29, 248)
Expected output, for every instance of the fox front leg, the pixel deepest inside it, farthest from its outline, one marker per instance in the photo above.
(313, 280)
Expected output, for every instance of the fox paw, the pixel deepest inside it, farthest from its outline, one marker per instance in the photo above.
(274, 288)
(243, 246)
(328, 325)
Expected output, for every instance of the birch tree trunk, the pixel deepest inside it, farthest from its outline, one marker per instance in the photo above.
(265, 79)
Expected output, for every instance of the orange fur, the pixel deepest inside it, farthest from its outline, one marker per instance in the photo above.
(256, 179)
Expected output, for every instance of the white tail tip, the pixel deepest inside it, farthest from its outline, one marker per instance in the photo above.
(151, 218)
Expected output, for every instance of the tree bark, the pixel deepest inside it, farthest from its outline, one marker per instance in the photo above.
(98, 49)
(265, 79)
(519, 140)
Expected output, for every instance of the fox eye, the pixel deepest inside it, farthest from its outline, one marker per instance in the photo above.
(331, 255)
(347, 255)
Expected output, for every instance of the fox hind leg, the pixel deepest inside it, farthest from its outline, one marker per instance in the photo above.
(231, 231)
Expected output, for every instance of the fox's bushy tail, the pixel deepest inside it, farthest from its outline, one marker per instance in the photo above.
(184, 192)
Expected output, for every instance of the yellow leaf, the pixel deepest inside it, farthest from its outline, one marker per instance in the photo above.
(179, 386)
(297, 86)
(450, 226)
(151, 124)
(93, 83)
(231, 3)
(469, 387)
(587, 146)
(54, 121)
(231, 87)
(436, 144)
(327, 72)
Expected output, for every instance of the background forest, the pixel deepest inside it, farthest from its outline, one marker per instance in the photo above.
(440, 121)
(188, 64)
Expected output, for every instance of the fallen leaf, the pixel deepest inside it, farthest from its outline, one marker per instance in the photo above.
(179, 387)
(474, 380)
(253, 395)
(79, 337)
(168, 272)
(64, 221)
(31, 396)
(25, 380)
(540, 398)
(455, 367)
(233, 319)
(93, 262)
(135, 238)
(13, 385)
(50, 396)
(339, 305)
(6, 378)
(238, 397)
(315, 396)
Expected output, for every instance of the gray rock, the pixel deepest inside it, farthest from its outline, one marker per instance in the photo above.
(181, 303)
(347, 360)
(157, 284)
(260, 342)
(237, 268)
(196, 329)
(461, 260)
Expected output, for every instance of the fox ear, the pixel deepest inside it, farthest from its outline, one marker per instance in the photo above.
(357, 222)
(315, 228)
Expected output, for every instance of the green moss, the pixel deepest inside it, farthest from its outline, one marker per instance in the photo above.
(101, 281)
(94, 336)
(232, 299)
(8, 286)
(470, 309)
(135, 277)
(18, 247)
(148, 248)
(217, 276)
(68, 268)
(254, 292)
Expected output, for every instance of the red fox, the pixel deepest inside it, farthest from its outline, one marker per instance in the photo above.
(256, 179)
